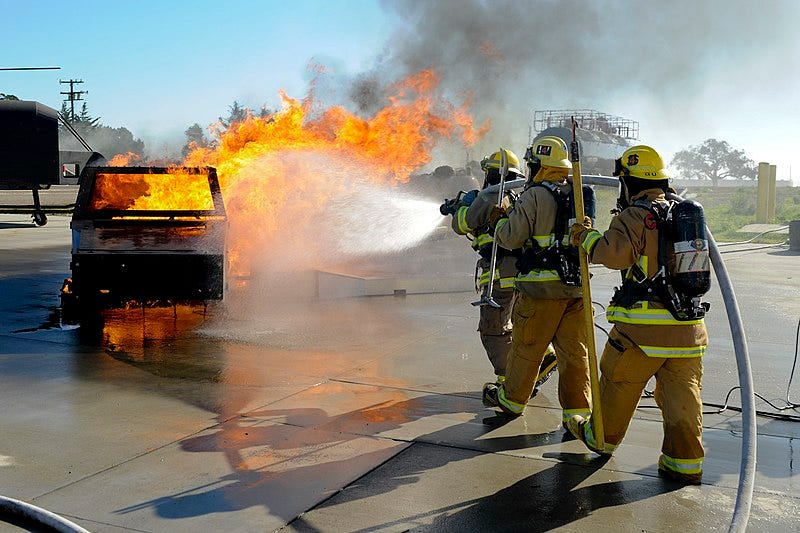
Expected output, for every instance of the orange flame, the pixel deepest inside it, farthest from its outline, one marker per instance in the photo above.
(176, 190)
(129, 159)
(277, 172)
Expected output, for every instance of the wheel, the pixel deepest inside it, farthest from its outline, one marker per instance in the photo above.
(39, 218)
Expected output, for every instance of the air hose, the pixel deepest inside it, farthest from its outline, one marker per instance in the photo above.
(37, 515)
(747, 469)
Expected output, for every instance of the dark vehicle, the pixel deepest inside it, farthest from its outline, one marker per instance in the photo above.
(154, 236)
(30, 158)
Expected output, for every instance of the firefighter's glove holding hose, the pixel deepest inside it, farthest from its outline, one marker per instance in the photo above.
(577, 230)
(496, 214)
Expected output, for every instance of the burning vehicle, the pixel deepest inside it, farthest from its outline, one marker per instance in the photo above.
(145, 235)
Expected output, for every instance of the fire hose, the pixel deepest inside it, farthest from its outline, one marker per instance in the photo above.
(744, 495)
(30, 513)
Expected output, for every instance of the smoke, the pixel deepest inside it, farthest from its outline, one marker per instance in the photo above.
(680, 66)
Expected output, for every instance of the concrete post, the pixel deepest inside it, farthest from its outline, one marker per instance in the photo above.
(763, 193)
(794, 235)
(771, 194)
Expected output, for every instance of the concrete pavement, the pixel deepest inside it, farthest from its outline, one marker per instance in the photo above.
(352, 414)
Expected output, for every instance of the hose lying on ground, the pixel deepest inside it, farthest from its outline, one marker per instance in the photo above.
(37, 515)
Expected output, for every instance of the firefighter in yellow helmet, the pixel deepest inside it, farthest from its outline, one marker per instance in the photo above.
(657, 316)
(549, 308)
(494, 324)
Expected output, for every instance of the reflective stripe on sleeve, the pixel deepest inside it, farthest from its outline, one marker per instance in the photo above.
(461, 218)
(590, 240)
(481, 240)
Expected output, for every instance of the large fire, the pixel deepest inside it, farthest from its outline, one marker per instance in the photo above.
(277, 173)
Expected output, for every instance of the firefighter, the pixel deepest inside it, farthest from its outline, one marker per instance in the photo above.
(647, 339)
(547, 309)
(494, 324)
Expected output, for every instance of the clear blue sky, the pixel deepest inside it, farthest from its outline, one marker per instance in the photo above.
(156, 67)
(686, 70)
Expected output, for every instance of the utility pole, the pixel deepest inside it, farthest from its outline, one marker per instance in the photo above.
(72, 95)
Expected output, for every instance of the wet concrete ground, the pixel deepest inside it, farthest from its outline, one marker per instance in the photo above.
(353, 414)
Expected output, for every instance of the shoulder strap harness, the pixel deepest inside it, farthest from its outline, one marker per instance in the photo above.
(637, 286)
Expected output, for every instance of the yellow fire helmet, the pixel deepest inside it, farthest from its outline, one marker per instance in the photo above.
(641, 161)
(494, 160)
(551, 151)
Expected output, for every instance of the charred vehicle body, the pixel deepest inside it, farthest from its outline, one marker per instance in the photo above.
(152, 236)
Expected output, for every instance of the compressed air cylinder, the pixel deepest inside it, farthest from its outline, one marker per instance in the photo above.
(692, 273)
(589, 204)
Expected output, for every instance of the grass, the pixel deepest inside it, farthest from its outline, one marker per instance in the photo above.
(726, 210)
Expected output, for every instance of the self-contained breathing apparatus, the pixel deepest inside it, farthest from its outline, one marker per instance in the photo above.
(558, 256)
(684, 274)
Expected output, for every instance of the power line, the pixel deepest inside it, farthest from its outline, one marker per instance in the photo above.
(72, 95)
(30, 68)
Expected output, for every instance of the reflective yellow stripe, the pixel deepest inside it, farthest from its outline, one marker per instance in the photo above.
(681, 466)
(505, 283)
(481, 240)
(538, 276)
(461, 217)
(674, 351)
(589, 434)
(544, 240)
(566, 414)
(512, 406)
(590, 240)
(500, 223)
(645, 315)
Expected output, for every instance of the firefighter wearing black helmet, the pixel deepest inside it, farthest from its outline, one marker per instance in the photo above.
(658, 329)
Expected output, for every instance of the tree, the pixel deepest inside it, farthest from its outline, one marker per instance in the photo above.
(82, 121)
(4, 96)
(112, 141)
(195, 138)
(103, 139)
(236, 114)
(714, 160)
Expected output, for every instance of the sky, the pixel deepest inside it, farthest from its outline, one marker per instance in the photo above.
(687, 70)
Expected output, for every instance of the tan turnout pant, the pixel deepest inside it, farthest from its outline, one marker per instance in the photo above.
(678, 381)
(537, 323)
(494, 327)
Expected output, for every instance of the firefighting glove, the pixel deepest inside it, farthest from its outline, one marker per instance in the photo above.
(496, 214)
(576, 231)
(468, 198)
